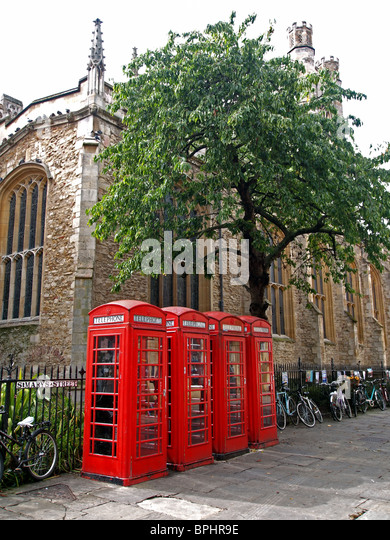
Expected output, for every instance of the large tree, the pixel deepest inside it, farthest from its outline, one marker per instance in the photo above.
(221, 135)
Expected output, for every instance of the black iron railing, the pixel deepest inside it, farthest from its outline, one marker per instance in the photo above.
(52, 393)
(57, 394)
(298, 374)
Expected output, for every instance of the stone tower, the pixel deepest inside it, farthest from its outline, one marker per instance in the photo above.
(301, 44)
(332, 64)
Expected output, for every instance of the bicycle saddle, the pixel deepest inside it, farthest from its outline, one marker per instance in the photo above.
(27, 422)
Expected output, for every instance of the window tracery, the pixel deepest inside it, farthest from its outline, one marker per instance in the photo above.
(22, 231)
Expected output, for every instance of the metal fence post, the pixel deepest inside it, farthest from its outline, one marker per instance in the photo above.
(7, 399)
(333, 370)
(300, 371)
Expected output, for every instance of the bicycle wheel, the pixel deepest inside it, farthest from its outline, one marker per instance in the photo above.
(385, 395)
(292, 409)
(335, 412)
(292, 406)
(379, 400)
(41, 454)
(305, 414)
(361, 401)
(1, 466)
(347, 408)
(281, 420)
(354, 403)
(316, 411)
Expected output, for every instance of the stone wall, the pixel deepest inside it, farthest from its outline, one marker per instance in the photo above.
(305, 339)
(56, 148)
(77, 268)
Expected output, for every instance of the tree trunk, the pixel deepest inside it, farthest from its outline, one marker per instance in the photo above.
(258, 283)
(258, 270)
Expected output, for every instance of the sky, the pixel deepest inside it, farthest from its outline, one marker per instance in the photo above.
(45, 44)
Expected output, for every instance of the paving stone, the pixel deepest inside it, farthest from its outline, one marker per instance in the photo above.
(179, 508)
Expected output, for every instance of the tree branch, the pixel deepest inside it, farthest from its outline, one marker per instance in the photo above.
(292, 235)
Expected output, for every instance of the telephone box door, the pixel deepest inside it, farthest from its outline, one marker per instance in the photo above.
(150, 407)
(102, 449)
(198, 397)
(261, 383)
(189, 390)
(229, 394)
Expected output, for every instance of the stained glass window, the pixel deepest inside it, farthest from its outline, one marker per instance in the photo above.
(22, 251)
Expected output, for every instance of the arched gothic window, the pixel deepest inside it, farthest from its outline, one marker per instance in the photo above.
(22, 231)
(277, 290)
(353, 302)
(322, 299)
(280, 299)
(173, 290)
(377, 296)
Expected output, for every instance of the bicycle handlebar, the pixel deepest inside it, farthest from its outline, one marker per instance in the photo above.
(371, 382)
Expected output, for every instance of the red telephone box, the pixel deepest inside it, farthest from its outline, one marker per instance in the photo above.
(230, 433)
(261, 383)
(125, 431)
(189, 390)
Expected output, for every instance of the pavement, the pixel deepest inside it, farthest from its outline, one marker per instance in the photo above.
(334, 471)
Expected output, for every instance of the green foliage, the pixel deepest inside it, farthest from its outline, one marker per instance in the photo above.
(219, 135)
(69, 435)
(66, 424)
(20, 403)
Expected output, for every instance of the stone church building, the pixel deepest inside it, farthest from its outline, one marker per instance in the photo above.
(53, 272)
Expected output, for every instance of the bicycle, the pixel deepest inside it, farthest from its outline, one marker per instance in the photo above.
(375, 397)
(37, 453)
(384, 391)
(338, 403)
(359, 402)
(285, 408)
(334, 404)
(345, 406)
(307, 410)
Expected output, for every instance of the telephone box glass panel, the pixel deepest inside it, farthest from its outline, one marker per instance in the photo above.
(169, 393)
(104, 402)
(149, 396)
(235, 385)
(197, 394)
(266, 384)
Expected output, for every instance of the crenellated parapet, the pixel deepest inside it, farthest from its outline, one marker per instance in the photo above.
(300, 39)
